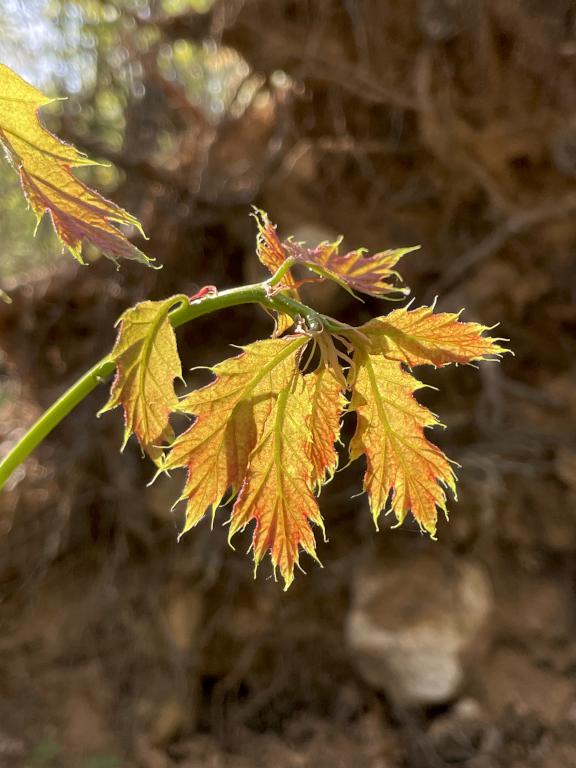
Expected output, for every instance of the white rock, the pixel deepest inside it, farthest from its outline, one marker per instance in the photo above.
(416, 624)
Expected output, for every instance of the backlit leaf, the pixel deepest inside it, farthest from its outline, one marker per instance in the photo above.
(230, 414)
(147, 363)
(44, 164)
(272, 255)
(270, 251)
(266, 431)
(405, 472)
(401, 463)
(356, 271)
(328, 403)
(373, 275)
(420, 336)
(277, 490)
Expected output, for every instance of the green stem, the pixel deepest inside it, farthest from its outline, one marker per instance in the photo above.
(286, 266)
(250, 294)
(53, 416)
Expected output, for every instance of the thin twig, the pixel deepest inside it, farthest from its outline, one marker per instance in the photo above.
(495, 241)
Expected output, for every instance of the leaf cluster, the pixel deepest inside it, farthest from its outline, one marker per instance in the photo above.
(265, 430)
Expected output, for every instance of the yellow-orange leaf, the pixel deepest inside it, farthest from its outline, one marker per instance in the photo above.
(269, 249)
(44, 164)
(420, 336)
(356, 271)
(147, 363)
(405, 472)
(272, 255)
(277, 490)
(230, 414)
(325, 392)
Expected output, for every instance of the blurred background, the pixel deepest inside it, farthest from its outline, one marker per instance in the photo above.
(450, 123)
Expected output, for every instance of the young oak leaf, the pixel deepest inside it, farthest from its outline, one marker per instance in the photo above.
(401, 462)
(326, 395)
(272, 255)
(147, 363)
(277, 490)
(270, 250)
(44, 164)
(402, 465)
(230, 414)
(354, 271)
(420, 337)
